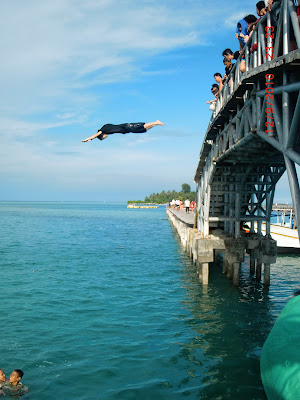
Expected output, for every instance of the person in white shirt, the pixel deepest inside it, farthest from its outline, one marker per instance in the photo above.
(187, 205)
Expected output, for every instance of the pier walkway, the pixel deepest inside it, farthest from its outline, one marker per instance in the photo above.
(188, 219)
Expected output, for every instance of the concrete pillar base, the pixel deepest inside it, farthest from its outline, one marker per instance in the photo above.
(258, 270)
(252, 262)
(266, 274)
(225, 262)
(236, 273)
(229, 270)
(205, 273)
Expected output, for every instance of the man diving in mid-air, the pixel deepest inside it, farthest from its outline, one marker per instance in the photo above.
(110, 129)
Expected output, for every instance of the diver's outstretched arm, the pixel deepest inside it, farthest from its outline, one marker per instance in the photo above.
(92, 137)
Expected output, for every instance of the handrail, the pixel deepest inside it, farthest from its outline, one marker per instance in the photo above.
(282, 15)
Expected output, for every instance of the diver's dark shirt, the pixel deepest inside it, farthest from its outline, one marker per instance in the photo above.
(137, 127)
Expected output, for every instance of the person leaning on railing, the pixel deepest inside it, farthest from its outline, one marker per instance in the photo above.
(230, 55)
(215, 92)
(270, 3)
(219, 80)
(228, 68)
(242, 32)
(260, 11)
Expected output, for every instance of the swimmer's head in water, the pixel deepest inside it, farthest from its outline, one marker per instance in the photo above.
(16, 376)
(2, 375)
(103, 136)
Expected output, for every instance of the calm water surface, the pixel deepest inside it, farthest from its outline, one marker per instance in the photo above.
(101, 302)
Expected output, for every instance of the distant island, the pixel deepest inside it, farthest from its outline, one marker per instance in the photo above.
(164, 197)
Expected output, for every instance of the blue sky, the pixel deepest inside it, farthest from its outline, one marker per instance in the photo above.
(70, 66)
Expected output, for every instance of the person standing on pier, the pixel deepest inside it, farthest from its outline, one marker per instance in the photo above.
(110, 129)
(187, 205)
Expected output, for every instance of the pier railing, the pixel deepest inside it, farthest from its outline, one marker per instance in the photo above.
(277, 32)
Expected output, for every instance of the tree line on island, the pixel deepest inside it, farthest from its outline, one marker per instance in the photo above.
(165, 197)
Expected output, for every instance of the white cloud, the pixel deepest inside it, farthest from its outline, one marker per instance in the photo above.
(11, 127)
(233, 19)
(51, 47)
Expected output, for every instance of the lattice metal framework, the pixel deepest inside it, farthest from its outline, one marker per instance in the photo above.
(253, 138)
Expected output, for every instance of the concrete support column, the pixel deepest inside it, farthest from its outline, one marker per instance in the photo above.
(194, 250)
(258, 270)
(236, 273)
(191, 239)
(229, 269)
(269, 254)
(235, 252)
(205, 273)
(266, 274)
(242, 255)
(182, 234)
(199, 270)
(252, 262)
(225, 264)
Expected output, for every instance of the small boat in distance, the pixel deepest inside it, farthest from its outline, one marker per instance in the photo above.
(146, 206)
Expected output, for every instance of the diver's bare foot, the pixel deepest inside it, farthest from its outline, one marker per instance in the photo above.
(158, 122)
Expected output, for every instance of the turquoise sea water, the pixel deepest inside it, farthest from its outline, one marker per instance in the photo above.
(101, 302)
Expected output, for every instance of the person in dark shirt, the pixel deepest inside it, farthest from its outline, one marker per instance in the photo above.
(230, 55)
(270, 3)
(228, 67)
(261, 8)
(110, 129)
(260, 11)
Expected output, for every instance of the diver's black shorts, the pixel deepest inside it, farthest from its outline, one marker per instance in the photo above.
(136, 127)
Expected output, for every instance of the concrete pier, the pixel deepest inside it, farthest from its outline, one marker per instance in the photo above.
(203, 251)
